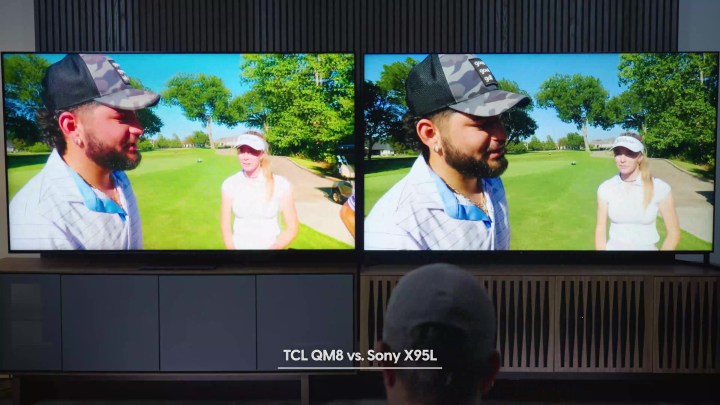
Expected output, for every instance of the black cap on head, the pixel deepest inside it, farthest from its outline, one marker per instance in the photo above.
(441, 294)
(79, 78)
(462, 82)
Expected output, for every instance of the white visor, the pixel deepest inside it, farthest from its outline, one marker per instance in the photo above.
(629, 143)
(252, 141)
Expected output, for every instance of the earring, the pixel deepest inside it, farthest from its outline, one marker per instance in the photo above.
(77, 141)
(436, 148)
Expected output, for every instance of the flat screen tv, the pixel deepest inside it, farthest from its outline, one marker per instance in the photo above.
(241, 152)
(572, 184)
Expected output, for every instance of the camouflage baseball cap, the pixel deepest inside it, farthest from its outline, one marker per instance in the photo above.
(79, 78)
(462, 82)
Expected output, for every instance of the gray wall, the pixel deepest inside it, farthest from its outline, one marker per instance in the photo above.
(17, 33)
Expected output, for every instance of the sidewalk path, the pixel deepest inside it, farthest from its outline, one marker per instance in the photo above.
(314, 206)
(694, 198)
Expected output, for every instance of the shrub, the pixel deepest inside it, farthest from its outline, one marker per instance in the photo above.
(516, 147)
(145, 145)
(39, 147)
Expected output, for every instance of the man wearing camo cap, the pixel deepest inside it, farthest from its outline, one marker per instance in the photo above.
(452, 198)
(82, 198)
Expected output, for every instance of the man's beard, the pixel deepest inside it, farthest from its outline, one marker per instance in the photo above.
(473, 167)
(109, 158)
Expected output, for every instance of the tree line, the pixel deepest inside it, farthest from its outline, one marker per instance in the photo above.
(304, 103)
(670, 100)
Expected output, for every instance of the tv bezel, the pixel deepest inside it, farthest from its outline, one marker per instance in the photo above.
(185, 258)
(520, 257)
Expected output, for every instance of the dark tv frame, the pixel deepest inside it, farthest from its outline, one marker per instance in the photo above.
(210, 259)
(524, 257)
(187, 259)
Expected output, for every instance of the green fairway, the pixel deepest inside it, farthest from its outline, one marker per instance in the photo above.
(178, 191)
(21, 168)
(552, 202)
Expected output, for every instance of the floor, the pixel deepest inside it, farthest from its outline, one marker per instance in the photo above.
(671, 390)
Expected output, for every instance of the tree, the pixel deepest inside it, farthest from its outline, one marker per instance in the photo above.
(175, 141)
(145, 145)
(255, 113)
(578, 99)
(151, 123)
(198, 139)
(549, 144)
(519, 125)
(22, 75)
(304, 102)
(535, 144)
(383, 118)
(384, 106)
(628, 111)
(674, 98)
(392, 80)
(203, 98)
(574, 141)
(161, 142)
(516, 147)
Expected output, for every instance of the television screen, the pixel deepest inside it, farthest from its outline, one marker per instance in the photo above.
(178, 152)
(540, 152)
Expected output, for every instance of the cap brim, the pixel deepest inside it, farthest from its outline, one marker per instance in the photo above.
(491, 103)
(130, 99)
(253, 147)
(628, 146)
(252, 141)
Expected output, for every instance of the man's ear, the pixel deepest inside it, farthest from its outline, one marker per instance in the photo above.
(388, 375)
(489, 379)
(428, 132)
(68, 123)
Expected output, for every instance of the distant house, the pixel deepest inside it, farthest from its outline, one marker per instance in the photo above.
(602, 143)
(227, 142)
(9, 147)
(382, 149)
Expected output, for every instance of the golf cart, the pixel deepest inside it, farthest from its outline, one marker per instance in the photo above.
(342, 190)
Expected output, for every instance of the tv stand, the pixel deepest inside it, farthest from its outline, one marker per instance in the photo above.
(61, 320)
(621, 318)
(178, 267)
(99, 321)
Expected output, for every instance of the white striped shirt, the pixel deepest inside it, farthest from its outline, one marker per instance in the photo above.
(57, 210)
(421, 213)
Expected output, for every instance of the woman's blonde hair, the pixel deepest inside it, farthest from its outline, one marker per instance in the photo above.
(645, 175)
(265, 165)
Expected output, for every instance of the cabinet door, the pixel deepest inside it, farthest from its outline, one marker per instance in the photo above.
(29, 322)
(110, 323)
(304, 312)
(207, 323)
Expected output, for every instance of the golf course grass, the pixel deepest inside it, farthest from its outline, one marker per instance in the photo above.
(552, 202)
(178, 191)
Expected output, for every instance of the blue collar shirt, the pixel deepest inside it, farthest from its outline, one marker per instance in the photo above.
(58, 210)
(420, 212)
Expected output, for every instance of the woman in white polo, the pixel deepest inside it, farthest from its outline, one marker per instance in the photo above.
(254, 197)
(632, 200)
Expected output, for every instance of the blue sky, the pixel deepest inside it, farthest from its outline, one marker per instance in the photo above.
(529, 71)
(154, 70)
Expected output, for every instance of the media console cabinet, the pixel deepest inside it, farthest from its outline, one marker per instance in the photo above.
(64, 318)
(586, 318)
(104, 320)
